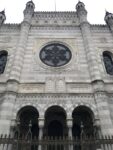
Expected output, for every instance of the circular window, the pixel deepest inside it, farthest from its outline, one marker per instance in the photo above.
(55, 55)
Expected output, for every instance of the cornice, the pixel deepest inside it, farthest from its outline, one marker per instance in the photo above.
(55, 18)
(55, 95)
(55, 27)
(53, 14)
(99, 27)
(9, 26)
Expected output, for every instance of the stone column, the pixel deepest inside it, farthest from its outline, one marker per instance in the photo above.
(69, 125)
(41, 126)
(70, 136)
(97, 128)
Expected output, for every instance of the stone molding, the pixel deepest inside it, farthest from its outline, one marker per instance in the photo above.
(55, 95)
(43, 101)
(55, 14)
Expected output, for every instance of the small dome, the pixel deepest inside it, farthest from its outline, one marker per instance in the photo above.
(30, 4)
(2, 12)
(2, 17)
(108, 17)
(108, 14)
(80, 5)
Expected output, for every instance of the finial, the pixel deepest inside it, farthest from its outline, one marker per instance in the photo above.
(106, 12)
(3, 12)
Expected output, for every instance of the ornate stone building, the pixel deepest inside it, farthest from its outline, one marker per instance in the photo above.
(56, 69)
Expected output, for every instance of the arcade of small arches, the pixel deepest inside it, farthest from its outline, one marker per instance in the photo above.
(55, 122)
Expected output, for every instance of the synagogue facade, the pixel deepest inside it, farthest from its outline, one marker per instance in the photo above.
(56, 72)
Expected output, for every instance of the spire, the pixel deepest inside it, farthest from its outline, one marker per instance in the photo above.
(108, 18)
(80, 5)
(81, 12)
(29, 10)
(2, 17)
(30, 6)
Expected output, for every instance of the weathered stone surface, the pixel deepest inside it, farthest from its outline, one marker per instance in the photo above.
(27, 81)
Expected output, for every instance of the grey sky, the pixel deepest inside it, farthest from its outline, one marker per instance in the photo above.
(96, 8)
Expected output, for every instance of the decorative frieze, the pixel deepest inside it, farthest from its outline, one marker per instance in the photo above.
(31, 88)
(52, 18)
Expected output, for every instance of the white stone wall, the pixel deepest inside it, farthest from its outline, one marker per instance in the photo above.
(69, 86)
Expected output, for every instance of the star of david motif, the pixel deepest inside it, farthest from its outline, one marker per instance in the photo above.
(55, 55)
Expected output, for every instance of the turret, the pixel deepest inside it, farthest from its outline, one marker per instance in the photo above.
(2, 17)
(109, 19)
(29, 10)
(81, 12)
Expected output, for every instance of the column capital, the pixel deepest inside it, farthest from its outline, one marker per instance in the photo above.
(97, 123)
(69, 122)
(41, 122)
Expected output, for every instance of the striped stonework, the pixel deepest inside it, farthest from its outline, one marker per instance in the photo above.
(81, 85)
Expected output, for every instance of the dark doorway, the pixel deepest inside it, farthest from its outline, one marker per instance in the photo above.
(26, 115)
(82, 125)
(76, 130)
(55, 122)
(55, 129)
(82, 115)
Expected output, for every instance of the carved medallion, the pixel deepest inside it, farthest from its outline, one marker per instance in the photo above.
(55, 55)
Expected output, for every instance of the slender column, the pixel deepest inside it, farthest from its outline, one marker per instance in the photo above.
(69, 125)
(41, 125)
(97, 128)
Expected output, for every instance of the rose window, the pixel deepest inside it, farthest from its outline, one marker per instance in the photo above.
(55, 55)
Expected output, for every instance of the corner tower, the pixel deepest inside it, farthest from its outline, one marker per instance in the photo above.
(88, 42)
(109, 20)
(20, 51)
(2, 17)
(29, 10)
(81, 12)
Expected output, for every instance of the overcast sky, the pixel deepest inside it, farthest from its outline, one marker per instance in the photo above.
(96, 8)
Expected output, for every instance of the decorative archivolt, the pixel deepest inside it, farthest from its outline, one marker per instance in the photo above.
(68, 108)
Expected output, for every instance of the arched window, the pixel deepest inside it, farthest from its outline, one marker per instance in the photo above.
(3, 60)
(108, 62)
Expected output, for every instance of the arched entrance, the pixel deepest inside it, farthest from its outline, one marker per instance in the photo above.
(55, 122)
(25, 116)
(82, 115)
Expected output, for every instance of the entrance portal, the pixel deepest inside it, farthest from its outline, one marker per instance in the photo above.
(82, 115)
(26, 115)
(55, 122)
